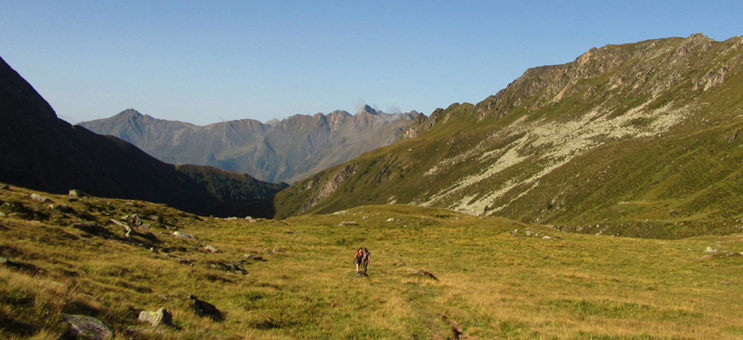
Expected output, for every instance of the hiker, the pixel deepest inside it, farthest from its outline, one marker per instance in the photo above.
(361, 259)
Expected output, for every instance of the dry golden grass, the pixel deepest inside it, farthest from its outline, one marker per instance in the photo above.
(492, 282)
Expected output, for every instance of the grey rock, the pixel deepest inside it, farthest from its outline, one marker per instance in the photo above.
(250, 219)
(254, 257)
(4, 186)
(77, 193)
(345, 223)
(711, 250)
(122, 224)
(145, 227)
(160, 317)
(39, 198)
(211, 249)
(184, 235)
(88, 327)
(203, 308)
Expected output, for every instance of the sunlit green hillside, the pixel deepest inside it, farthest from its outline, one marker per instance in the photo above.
(638, 140)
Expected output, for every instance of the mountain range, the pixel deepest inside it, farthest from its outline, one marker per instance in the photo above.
(639, 139)
(43, 152)
(277, 151)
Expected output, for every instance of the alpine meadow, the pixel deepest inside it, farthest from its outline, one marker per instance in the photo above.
(598, 199)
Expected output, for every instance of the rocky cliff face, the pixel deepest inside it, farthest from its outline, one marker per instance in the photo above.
(622, 134)
(286, 150)
(42, 152)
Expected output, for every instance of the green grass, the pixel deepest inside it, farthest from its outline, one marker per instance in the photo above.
(493, 281)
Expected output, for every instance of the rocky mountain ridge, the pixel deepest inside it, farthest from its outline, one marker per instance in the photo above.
(42, 152)
(617, 135)
(275, 151)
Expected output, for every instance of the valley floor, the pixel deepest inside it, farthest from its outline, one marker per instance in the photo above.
(490, 278)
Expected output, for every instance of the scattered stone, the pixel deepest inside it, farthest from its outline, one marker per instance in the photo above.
(528, 233)
(2, 214)
(181, 260)
(231, 218)
(254, 257)
(122, 224)
(211, 249)
(4, 186)
(250, 219)
(160, 317)
(725, 283)
(711, 250)
(77, 193)
(155, 218)
(547, 238)
(233, 267)
(145, 227)
(39, 198)
(184, 235)
(135, 220)
(342, 212)
(345, 223)
(203, 308)
(424, 274)
(88, 327)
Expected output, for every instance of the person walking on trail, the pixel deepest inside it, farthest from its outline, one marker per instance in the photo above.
(361, 259)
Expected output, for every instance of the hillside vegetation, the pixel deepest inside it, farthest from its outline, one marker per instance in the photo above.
(634, 140)
(434, 274)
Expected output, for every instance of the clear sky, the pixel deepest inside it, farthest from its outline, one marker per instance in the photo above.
(209, 61)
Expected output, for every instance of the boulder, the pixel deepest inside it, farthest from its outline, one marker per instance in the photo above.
(77, 193)
(87, 327)
(185, 235)
(253, 257)
(211, 249)
(203, 308)
(160, 317)
(39, 198)
(711, 250)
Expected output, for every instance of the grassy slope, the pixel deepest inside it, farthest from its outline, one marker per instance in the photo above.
(493, 282)
(682, 182)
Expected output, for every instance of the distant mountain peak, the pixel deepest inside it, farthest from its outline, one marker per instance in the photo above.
(130, 112)
(368, 110)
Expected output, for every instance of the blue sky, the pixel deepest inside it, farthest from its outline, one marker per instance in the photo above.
(204, 62)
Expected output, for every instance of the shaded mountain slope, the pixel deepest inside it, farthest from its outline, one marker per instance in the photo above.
(43, 152)
(289, 150)
(638, 139)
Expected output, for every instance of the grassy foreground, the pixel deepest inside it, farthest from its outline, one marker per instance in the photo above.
(492, 282)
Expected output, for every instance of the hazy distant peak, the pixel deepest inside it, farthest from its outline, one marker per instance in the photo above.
(367, 110)
(129, 113)
(273, 122)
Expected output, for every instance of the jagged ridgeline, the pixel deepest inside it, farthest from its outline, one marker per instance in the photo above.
(636, 140)
(277, 151)
(42, 152)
